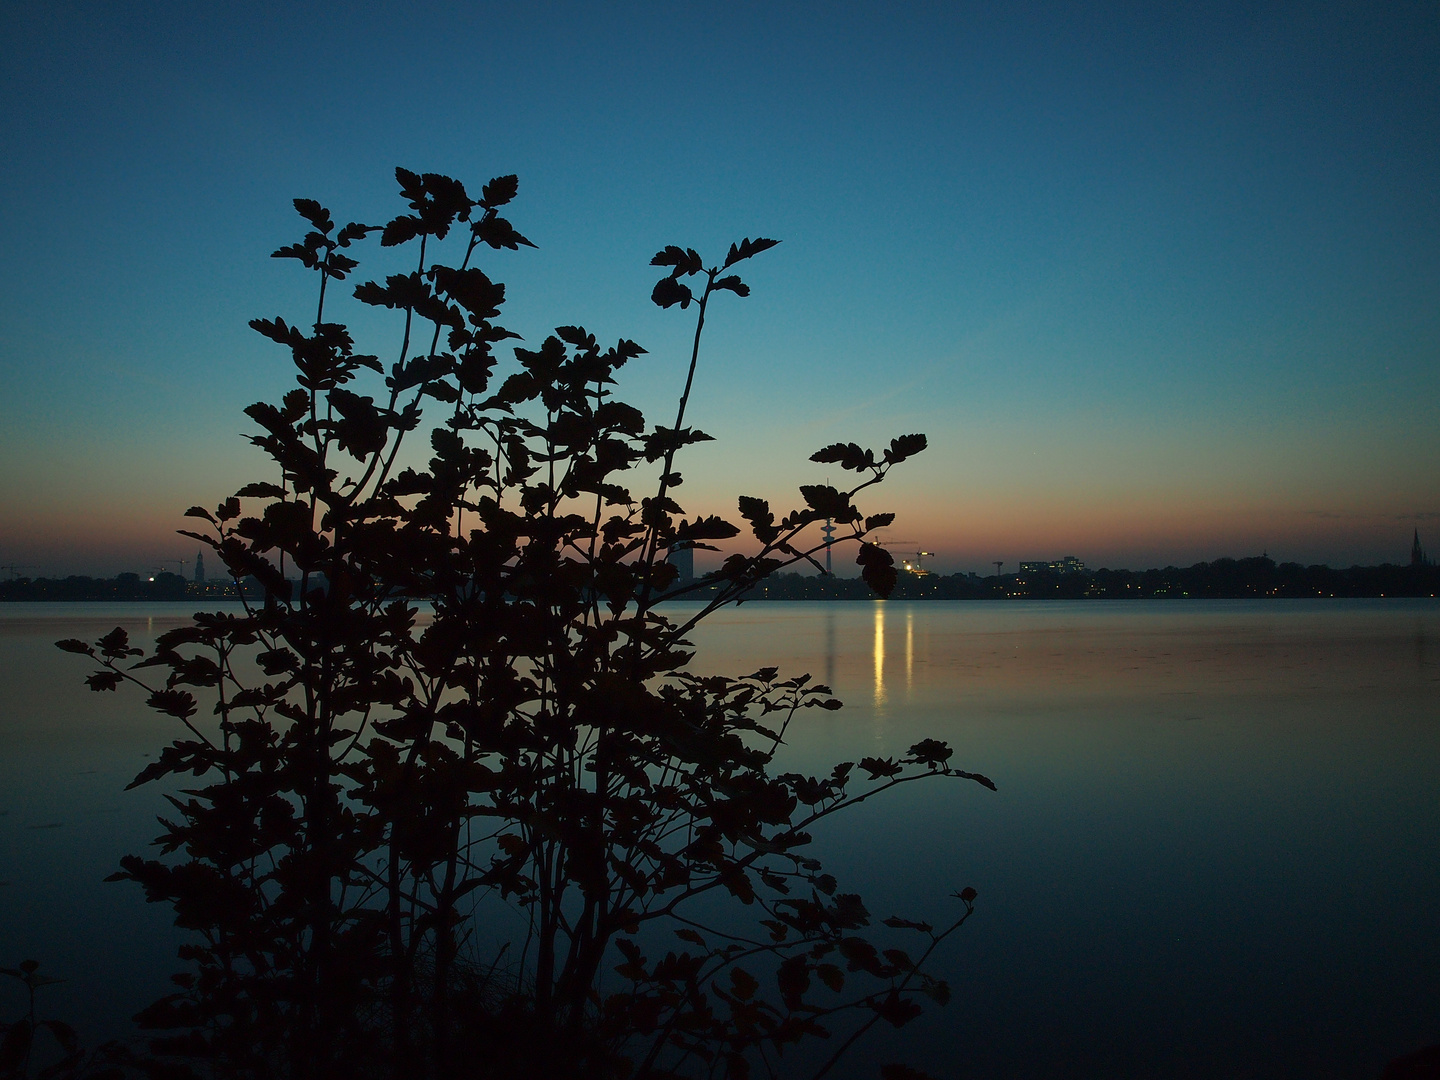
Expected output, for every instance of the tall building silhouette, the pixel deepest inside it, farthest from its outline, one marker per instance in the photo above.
(1417, 553)
(200, 567)
(684, 561)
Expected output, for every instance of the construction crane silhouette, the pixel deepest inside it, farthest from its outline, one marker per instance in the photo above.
(160, 566)
(15, 569)
(917, 567)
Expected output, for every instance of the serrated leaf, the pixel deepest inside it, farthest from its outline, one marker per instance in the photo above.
(748, 248)
(742, 984)
(257, 491)
(930, 752)
(706, 528)
(983, 781)
(352, 232)
(906, 446)
(404, 228)
(314, 213)
(762, 521)
(849, 456)
(897, 1010)
(881, 767)
(499, 191)
(733, 284)
(828, 502)
(499, 233)
(668, 292)
(877, 567)
(176, 703)
(897, 923)
(104, 680)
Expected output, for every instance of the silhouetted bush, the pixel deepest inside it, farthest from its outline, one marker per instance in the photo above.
(470, 704)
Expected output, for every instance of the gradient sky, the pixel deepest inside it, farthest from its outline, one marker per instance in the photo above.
(1160, 282)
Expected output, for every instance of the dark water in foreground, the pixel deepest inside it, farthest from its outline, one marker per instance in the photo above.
(1215, 851)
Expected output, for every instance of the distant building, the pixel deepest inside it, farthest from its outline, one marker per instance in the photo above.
(1417, 553)
(200, 568)
(1068, 565)
(683, 559)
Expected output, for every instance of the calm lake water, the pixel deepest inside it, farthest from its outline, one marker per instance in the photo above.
(1214, 852)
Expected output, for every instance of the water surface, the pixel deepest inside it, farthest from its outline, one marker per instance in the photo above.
(1214, 850)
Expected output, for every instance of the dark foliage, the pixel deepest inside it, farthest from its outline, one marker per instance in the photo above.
(447, 799)
(18, 1039)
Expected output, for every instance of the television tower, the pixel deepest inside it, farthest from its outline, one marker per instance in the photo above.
(829, 531)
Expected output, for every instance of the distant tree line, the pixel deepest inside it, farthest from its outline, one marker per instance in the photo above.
(1235, 579)
(1232, 579)
(1244, 578)
(162, 586)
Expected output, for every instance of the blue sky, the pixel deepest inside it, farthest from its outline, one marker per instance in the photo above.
(1160, 282)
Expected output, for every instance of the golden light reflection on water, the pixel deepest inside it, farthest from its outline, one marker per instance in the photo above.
(909, 650)
(1178, 662)
(879, 654)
